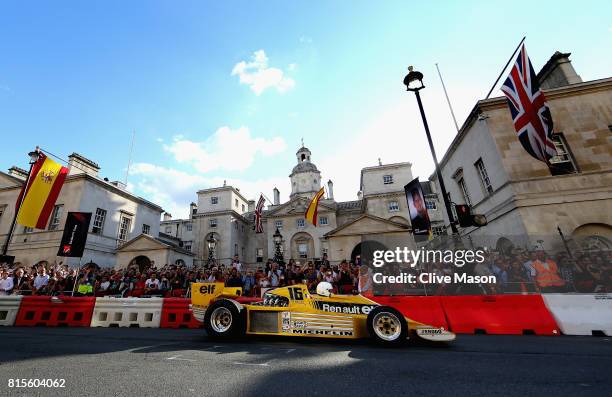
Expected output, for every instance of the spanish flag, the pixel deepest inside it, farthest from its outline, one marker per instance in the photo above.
(39, 196)
(311, 212)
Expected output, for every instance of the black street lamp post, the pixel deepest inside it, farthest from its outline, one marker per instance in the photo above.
(417, 77)
(277, 237)
(212, 243)
(34, 156)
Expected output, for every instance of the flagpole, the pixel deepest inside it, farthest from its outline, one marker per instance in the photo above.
(447, 98)
(14, 222)
(504, 69)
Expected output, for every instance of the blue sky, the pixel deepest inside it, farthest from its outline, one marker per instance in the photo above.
(225, 90)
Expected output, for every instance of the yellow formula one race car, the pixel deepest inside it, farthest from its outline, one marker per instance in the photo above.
(294, 311)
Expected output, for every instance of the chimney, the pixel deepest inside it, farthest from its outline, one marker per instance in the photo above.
(18, 173)
(82, 165)
(276, 197)
(330, 190)
(251, 205)
(167, 216)
(193, 209)
(558, 72)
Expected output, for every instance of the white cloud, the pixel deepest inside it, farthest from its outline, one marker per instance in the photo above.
(174, 189)
(226, 149)
(305, 40)
(259, 76)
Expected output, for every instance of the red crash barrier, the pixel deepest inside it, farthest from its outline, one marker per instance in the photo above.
(176, 314)
(499, 314)
(61, 311)
(424, 309)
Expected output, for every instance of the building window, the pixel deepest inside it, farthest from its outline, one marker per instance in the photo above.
(55, 217)
(189, 227)
(214, 200)
(124, 228)
(303, 250)
(438, 230)
(431, 203)
(300, 223)
(99, 220)
(259, 255)
(235, 249)
(463, 187)
(563, 162)
(168, 229)
(393, 206)
(484, 176)
(146, 229)
(279, 225)
(187, 246)
(212, 223)
(194, 211)
(387, 179)
(322, 220)
(2, 208)
(236, 202)
(28, 229)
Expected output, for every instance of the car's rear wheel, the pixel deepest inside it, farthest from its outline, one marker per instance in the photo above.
(223, 319)
(387, 325)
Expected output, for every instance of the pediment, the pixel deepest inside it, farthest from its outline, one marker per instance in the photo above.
(297, 206)
(368, 224)
(142, 242)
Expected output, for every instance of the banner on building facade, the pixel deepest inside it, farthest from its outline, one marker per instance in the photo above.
(75, 234)
(419, 218)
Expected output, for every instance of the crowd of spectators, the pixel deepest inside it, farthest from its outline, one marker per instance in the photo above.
(520, 271)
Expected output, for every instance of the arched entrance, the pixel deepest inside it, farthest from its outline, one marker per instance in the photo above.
(141, 262)
(593, 236)
(504, 246)
(365, 250)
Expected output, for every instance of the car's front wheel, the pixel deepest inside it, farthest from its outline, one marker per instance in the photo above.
(387, 325)
(223, 319)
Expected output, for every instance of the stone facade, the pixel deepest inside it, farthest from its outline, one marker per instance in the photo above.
(522, 198)
(82, 191)
(379, 211)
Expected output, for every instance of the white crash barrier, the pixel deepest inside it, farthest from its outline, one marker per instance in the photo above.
(581, 314)
(127, 312)
(9, 306)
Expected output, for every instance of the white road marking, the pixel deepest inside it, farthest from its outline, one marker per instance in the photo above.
(177, 357)
(253, 364)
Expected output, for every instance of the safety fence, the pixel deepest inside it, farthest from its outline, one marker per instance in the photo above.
(546, 314)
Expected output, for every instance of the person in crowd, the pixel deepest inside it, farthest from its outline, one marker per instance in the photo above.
(248, 283)
(364, 284)
(236, 264)
(345, 279)
(6, 283)
(234, 279)
(152, 285)
(547, 273)
(41, 279)
(21, 282)
(312, 277)
(275, 276)
(102, 287)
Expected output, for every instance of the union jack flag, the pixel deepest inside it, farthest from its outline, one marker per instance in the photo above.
(258, 214)
(530, 113)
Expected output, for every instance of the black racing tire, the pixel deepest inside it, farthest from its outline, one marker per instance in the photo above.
(223, 320)
(387, 326)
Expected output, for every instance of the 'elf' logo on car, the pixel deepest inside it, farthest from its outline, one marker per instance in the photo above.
(207, 289)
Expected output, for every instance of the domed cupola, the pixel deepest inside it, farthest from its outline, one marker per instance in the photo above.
(305, 177)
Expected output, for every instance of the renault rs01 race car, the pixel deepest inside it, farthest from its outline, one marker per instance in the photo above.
(294, 311)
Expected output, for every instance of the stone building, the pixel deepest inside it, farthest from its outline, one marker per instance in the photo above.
(523, 200)
(380, 212)
(118, 216)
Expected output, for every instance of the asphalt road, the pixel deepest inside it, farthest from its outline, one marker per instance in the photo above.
(155, 362)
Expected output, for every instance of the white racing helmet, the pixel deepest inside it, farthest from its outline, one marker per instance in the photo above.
(324, 288)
